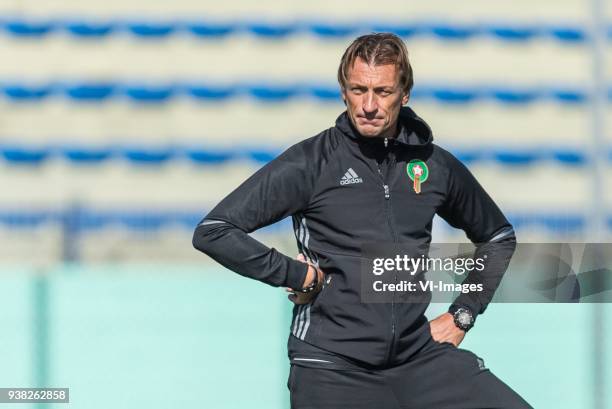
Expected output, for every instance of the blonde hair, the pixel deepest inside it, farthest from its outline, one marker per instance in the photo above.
(378, 49)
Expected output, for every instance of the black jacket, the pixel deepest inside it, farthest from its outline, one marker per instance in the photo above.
(343, 190)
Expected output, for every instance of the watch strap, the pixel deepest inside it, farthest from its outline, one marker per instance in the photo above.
(313, 285)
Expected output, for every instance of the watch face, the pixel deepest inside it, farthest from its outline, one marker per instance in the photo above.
(464, 318)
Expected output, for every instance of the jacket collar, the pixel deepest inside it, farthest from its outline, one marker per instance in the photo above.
(414, 131)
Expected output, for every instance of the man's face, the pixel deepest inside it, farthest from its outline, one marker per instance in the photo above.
(373, 98)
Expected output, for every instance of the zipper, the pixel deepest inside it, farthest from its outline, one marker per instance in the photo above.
(387, 192)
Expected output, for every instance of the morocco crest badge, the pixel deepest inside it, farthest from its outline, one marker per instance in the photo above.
(417, 172)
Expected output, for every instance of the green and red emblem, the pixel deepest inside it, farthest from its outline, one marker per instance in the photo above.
(417, 172)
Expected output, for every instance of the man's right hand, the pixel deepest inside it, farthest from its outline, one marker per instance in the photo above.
(305, 298)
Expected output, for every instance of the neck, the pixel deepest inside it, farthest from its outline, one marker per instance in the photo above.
(392, 132)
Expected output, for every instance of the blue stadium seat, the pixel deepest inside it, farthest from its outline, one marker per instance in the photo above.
(90, 91)
(89, 29)
(455, 95)
(86, 155)
(259, 155)
(516, 157)
(22, 92)
(267, 30)
(325, 93)
(326, 29)
(564, 224)
(448, 31)
(207, 156)
(468, 156)
(23, 28)
(150, 29)
(142, 220)
(568, 96)
(568, 34)
(272, 93)
(188, 219)
(514, 96)
(513, 33)
(90, 220)
(149, 93)
(209, 29)
(210, 91)
(569, 157)
(148, 156)
(25, 155)
(25, 218)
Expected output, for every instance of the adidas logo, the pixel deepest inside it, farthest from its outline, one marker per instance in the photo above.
(350, 177)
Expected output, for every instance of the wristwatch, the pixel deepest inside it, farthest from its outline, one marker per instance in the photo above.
(312, 286)
(463, 318)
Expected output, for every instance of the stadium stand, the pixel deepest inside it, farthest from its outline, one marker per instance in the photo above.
(163, 115)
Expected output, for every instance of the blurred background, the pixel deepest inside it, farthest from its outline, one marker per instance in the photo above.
(123, 122)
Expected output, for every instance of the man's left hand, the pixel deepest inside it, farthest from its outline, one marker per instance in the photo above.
(443, 329)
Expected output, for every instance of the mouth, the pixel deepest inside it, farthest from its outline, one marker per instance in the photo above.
(365, 121)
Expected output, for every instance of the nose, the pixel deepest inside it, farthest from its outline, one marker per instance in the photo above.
(370, 103)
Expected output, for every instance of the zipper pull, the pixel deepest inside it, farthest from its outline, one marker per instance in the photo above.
(386, 142)
(387, 194)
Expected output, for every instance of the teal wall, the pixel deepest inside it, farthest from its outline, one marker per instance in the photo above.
(183, 336)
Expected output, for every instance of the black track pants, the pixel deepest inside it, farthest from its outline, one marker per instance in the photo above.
(440, 376)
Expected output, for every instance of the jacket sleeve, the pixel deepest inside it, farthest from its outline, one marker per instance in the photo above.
(280, 188)
(470, 208)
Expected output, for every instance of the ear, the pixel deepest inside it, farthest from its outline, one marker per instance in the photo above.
(405, 99)
(342, 94)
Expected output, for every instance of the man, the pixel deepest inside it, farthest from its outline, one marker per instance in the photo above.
(374, 177)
